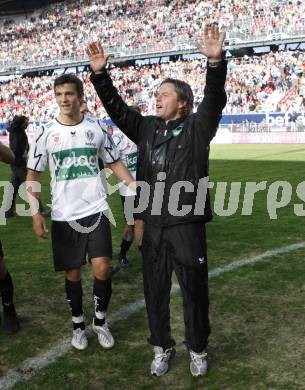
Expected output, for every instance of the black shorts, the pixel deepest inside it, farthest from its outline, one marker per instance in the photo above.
(1, 250)
(71, 243)
(128, 217)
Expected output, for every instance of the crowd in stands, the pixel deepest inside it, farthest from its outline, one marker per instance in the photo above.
(62, 30)
(269, 83)
(273, 82)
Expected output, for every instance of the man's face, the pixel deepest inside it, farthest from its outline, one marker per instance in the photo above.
(67, 99)
(110, 129)
(84, 108)
(167, 104)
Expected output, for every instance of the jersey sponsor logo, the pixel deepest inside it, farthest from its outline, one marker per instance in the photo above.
(90, 120)
(131, 161)
(77, 163)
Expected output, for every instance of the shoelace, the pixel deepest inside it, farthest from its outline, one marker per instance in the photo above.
(160, 356)
(198, 357)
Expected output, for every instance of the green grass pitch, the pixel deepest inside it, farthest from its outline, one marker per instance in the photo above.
(257, 312)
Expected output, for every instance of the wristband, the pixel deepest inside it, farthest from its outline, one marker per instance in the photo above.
(214, 63)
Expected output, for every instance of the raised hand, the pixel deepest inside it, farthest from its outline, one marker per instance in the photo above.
(211, 43)
(97, 58)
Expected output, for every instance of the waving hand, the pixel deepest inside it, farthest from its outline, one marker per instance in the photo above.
(97, 58)
(211, 43)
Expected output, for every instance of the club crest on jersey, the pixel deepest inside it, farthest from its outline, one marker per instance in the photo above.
(90, 137)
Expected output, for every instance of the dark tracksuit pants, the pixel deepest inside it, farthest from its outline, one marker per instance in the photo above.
(17, 178)
(181, 248)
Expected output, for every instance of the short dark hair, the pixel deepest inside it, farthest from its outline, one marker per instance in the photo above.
(70, 79)
(185, 94)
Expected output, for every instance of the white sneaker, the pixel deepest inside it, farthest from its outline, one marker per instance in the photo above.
(104, 336)
(79, 339)
(199, 364)
(159, 366)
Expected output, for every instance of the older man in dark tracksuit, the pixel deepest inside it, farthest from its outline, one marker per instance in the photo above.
(173, 146)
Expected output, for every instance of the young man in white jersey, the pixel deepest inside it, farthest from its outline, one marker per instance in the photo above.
(71, 145)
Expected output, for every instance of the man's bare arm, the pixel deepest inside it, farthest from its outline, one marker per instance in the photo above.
(123, 174)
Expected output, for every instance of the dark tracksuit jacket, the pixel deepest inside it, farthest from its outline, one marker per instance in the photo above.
(20, 146)
(176, 240)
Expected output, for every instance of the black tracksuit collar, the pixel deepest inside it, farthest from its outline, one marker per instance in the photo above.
(166, 130)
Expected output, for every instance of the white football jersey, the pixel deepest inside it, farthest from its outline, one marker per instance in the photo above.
(72, 153)
(128, 154)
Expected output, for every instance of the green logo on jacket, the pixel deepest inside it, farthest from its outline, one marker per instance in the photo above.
(177, 131)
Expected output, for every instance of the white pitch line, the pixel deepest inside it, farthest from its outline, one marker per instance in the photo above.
(32, 366)
(254, 259)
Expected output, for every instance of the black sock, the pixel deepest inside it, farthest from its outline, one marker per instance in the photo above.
(7, 292)
(74, 293)
(102, 293)
(125, 245)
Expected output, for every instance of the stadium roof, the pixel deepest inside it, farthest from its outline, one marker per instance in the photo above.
(22, 6)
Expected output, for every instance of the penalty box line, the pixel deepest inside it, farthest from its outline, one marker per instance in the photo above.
(31, 366)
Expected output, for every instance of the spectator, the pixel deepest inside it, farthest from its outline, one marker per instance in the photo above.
(20, 146)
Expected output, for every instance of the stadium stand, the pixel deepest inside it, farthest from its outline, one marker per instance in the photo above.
(277, 83)
(59, 32)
